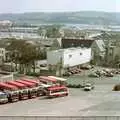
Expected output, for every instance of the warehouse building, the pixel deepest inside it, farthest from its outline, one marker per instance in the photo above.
(69, 57)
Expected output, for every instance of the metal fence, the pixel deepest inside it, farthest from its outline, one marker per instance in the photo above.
(59, 118)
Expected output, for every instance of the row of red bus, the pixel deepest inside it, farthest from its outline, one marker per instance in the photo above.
(28, 88)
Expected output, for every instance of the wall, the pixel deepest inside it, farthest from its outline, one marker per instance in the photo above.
(70, 57)
(77, 57)
(116, 51)
(53, 57)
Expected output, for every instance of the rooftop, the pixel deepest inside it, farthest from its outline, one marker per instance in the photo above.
(71, 49)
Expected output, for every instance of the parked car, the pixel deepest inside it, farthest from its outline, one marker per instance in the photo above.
(88, 87)
(43, 65)
(109, 74)
(94, 75)
(86, 67)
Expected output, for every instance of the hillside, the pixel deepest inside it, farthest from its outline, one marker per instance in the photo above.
(84, 17)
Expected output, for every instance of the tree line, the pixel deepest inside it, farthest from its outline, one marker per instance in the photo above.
(24, 55)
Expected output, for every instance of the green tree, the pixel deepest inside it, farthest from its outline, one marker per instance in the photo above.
(24, 54)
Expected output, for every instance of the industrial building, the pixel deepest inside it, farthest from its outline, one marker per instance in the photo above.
(69, 57)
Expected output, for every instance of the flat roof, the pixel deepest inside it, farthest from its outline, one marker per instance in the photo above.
(56, 87)
(70, 49)
(30, 80)
(46, 78)
(58, 78)
(25, 82)
(8, 86)
(14, 83)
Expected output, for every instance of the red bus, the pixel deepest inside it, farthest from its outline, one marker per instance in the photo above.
(11, 91)
(40, 90)
(31, 81)
(23, 92)
(32, 89)
(61, 81)
(57, 91)
(47, 80)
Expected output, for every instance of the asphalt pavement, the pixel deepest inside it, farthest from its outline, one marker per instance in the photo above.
(101, 101)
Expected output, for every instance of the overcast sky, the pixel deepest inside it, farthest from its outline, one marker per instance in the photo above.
(20, 6)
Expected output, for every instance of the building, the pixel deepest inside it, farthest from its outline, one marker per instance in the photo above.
(2, 55)
(6, 23)
(69, 57)
(74, 42)
(98, 51)
(113, 55)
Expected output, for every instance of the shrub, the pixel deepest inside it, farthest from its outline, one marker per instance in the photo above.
(116, 87)
(33, 74)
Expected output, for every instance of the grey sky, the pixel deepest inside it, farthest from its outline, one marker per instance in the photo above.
(20, 6)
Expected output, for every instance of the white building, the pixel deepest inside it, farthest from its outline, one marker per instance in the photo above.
(69, 57)
(2, 55)
(5, 23)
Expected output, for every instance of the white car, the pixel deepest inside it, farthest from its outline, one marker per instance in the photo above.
(88, 87)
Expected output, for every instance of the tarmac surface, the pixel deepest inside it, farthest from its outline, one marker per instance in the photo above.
(101, 101)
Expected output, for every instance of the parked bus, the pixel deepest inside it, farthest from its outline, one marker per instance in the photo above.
(39, 87)
(61, 81)
(3, 98)
(23, 91)
(32, 89)
(11, 91)
(57, 91)
(31, 81)
(47, 80)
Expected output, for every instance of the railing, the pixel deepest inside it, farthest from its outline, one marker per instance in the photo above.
(59, 118)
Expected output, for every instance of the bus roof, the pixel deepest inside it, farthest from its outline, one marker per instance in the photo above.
(44, 85)
(56, 88)
(7, 86)
(58, 78)
(30, 80)
(48, 78)
(26, 83)
(16, 84)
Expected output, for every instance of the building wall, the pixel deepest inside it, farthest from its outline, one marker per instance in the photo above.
(77, 57)
(53, 57)
(112, 53)
(70, 57)
(116, 51)
(68, 43)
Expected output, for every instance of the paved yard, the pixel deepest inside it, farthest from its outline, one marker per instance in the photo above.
(102, 101)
